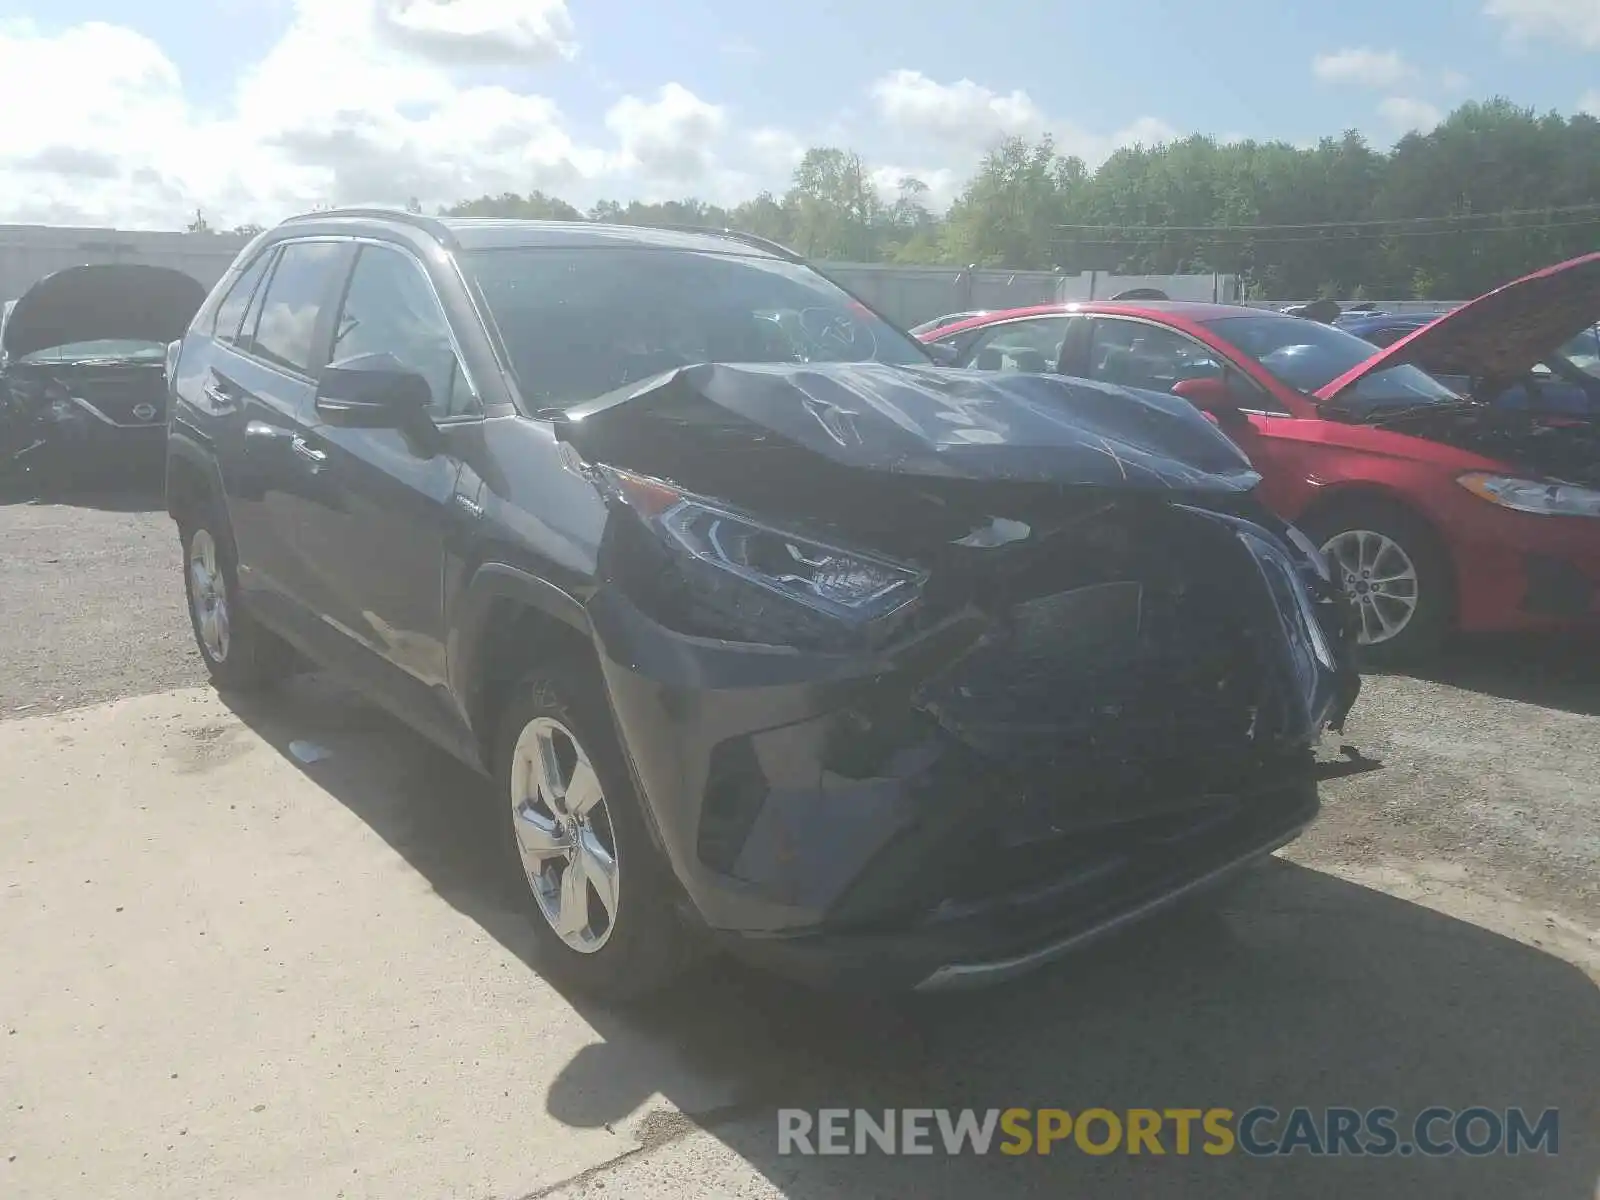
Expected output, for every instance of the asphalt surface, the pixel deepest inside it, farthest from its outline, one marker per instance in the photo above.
(92, 606)
(235, 972)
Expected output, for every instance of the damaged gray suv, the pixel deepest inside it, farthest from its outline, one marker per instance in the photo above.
(772, 634)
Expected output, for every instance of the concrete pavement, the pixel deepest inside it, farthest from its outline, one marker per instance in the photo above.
(223, 983)
(234, 974)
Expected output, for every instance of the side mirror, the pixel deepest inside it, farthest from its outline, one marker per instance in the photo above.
(943, 353)
(373, 391)
(1214, 397)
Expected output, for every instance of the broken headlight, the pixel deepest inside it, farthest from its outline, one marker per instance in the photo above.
(1314, 556)
(1290, 592)
(849, 585)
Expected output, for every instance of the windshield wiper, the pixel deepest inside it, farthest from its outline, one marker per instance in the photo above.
(104, 360)
(1381, 414)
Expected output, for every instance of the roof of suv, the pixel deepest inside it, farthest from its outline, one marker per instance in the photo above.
(492, 233)
(488, 233)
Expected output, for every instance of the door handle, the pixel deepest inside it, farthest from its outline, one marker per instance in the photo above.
(308, 452)
(218, 397)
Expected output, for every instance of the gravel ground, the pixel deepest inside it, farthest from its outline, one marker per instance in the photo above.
(92, 600)
(1490, 777)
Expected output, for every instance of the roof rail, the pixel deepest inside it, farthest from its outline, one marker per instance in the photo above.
(430, 225)
(738, 235)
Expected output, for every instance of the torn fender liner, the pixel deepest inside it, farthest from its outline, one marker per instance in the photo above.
(105, 301)
(919, 421)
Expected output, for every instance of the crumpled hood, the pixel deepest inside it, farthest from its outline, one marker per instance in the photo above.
(1500, 335)
(926, 421)
(133, 301)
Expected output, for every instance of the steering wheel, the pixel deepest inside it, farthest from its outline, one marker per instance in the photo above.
(835, 332)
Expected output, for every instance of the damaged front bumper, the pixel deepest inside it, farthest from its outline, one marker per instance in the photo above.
(51, 433)
(856, 821)
(926, 677)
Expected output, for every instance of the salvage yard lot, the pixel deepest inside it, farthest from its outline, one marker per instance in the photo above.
(235, 973)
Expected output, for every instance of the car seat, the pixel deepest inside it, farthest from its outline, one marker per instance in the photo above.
(1119, 366)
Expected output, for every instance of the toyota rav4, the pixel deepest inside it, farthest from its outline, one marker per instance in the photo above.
(772, 634)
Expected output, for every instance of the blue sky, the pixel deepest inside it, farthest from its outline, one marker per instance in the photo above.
(915, 85)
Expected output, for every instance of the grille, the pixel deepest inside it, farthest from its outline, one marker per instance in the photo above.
(117, 394)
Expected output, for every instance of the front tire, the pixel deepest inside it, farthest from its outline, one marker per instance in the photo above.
(1397, 575)
(600, 895)
(240, 655)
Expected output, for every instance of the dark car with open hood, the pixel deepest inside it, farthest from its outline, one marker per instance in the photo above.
(772, 635)
(83, 391)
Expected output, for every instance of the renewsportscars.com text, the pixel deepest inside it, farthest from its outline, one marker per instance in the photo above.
(1256, 1132)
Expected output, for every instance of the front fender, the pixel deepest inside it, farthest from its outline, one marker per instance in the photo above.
(491, 585)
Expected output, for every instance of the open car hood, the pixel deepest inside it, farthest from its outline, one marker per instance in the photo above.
(132, 301)
(1500, 335)
(917, 421)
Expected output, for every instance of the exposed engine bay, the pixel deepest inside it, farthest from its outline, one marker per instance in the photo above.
(1566, 448)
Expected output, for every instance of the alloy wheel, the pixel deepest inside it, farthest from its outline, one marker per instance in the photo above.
(208, 596)
(564, 834)
(1379, 577)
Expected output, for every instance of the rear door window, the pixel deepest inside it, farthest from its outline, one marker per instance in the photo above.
(231, 312)
(294, 300)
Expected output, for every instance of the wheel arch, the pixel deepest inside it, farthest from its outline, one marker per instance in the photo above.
(192, 477)
(510, 621)
(1335, 498)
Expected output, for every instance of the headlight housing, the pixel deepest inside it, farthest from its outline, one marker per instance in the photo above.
(1291, 595)
(1546, 497)
(756, 580)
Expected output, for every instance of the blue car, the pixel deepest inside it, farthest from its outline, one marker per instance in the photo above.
(1568, 381)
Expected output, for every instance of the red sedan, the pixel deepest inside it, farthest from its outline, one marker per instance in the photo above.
(1439, 512)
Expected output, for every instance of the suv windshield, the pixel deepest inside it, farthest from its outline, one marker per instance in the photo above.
(120, 349)
(580, 322)
(1309, 355)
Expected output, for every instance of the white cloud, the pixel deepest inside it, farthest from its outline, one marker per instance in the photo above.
(1589, 102)
(1146, 131)
(1406, 114)
(671, 137)
(1570, 21)
(964, 112)
(1362, 67)
(776, 151)
(944, 184)
(360, 100)
(385, 100)
(963, 119)
(480, 32)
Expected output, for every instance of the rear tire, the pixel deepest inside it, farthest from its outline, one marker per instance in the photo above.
(1397, 574)
(239, 653)
(601, 897)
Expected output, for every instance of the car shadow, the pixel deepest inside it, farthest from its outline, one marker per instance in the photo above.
(1560, 671)
(1306, 990)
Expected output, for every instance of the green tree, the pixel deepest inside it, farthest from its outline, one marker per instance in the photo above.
(1010, 213)
(1426, 218)
(535, 206)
